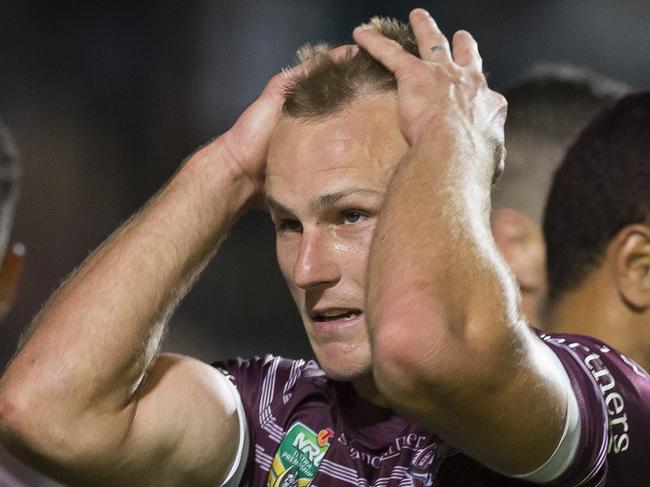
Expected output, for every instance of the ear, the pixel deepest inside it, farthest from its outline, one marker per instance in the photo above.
(521, 244)
(10, 272)
(631, 249)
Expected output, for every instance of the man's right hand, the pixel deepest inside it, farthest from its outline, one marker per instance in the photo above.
(246, 144)
(117, 413)
(443, 94)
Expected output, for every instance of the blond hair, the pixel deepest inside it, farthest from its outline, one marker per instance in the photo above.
(329, 85)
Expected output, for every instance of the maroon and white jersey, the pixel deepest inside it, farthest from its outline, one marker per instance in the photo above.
(306, 429)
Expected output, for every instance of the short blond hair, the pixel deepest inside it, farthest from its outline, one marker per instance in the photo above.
(329, 85)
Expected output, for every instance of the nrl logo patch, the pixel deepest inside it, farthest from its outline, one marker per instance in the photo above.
(299, 455)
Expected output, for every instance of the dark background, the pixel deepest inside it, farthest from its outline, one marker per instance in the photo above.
(106, 99)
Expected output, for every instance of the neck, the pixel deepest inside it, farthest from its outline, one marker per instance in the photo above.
(366, 388)
(596, 309)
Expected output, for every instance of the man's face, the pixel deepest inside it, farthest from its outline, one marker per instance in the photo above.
(521, 244)
(326, 180)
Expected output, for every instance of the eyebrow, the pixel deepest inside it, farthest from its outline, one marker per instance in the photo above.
(323, 201)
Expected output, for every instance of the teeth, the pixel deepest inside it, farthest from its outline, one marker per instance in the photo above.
(340, 314)
(328, 314)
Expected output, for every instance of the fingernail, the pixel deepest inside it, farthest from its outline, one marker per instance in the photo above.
(421, 11)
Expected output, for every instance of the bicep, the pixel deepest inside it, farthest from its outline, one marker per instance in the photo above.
(186, 427)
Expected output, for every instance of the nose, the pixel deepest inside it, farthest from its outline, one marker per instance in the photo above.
(315, 263)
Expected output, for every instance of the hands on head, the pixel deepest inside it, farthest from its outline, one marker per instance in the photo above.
(178, 231)
(247, 142)
(444, 89)
(443, 92)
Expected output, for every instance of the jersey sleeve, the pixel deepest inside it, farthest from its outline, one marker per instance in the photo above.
(263, 384)
(612, 394)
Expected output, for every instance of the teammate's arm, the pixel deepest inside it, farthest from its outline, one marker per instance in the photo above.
(449, 347)
(87, 399)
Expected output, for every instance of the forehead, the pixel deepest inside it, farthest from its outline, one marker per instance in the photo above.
(359, 146)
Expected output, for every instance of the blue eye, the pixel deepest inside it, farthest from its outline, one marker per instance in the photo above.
(352, 217)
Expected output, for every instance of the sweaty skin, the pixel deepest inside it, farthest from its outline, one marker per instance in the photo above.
(117, 412)
(449, 347)
(440, 310)
(325, 184)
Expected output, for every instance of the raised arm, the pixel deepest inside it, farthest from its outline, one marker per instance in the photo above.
(449, 347)
(87, 399)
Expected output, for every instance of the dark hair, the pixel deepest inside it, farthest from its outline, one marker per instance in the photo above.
(547, 108)
(328, 86)
(602, 185)
(559, 99)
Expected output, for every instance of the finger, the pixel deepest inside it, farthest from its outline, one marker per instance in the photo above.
(432, 44)
(387, 51)
(466, 51)
(260, 115)
(278, 86)
(341, 53)
(338, 54)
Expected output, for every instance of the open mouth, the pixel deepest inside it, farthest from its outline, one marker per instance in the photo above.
(335, 315)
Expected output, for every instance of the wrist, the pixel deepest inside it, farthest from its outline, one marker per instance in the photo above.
(212, 173)
(456, 148)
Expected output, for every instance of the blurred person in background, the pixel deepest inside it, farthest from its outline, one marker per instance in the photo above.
(546, 111)
(597, 232)
(438, 307)
(11, 256)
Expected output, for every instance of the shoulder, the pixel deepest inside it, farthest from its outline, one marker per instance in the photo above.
(245, 372)
(276, 393)
(265, 379)
(603, 362)
(614, 392)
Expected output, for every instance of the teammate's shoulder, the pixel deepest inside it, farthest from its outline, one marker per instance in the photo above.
(596, 353)
(574, 341)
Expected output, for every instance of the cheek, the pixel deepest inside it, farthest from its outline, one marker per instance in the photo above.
(353, 253)
(286, 253)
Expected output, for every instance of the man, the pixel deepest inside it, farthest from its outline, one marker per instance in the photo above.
(380, 199)
(11, 257)
(546, 111)
(597, 228)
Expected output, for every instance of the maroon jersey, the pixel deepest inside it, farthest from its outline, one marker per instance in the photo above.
(306, 429)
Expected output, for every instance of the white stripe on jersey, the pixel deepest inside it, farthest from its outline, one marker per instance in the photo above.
(267, 421)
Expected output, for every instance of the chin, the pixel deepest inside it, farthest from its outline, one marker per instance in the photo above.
(343, 362)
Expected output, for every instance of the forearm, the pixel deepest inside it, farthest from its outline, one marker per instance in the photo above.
(92, 342)
(432, 263)
(448, 346)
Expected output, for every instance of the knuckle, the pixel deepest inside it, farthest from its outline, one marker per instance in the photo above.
(276, 82)
(478, 77)
(501, 100)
